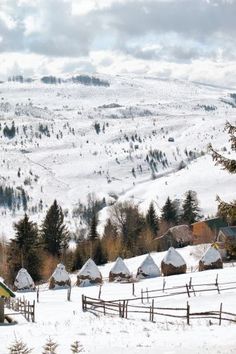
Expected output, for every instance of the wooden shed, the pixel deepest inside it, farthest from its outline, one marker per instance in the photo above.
(206, 231)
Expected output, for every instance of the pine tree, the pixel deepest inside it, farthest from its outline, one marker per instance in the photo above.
(50, 347)
(93, 235)
(169, 212)
(76, 347)
(99, 255)
(227, 210)
(152, 220)
(55, 236)
(24, 249)
(190, 213)
(18, 347)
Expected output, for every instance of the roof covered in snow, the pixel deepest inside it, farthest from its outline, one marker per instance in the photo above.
(174, 258)
(60, 274)
(120, 267)
(212, 255)
(149, 267)
(90, 269)
(23, 280)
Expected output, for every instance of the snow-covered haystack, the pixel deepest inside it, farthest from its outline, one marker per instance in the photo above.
(173, 263)
(60, 278)
(148, 269)
(24, 281)
(89, 274)
(211, 260)
(119, 271)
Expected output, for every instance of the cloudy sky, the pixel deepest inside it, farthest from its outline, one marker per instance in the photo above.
(186, 39)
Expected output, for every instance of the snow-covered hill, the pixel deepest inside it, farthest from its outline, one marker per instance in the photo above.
(129, 139)
(65, 322)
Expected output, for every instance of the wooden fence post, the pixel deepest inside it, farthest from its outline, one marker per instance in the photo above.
(33, 313)
(104, 308)
(100, 291)
(120, 309)
(133, 290)
(68, 293)
(126, 309)
(190, 283)
(147, 295)
(164, 284)
(188, 313)
(123, 309)
(220, 314)
(38, 294)
(142, 296)
(187, 290)
(152, 310)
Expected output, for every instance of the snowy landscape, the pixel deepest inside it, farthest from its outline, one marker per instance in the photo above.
(65, 322)
(138, 138)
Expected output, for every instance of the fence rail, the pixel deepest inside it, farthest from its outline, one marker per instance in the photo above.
(123, 308)
(22, 306)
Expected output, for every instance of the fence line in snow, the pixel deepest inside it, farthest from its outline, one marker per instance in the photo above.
(21, 306)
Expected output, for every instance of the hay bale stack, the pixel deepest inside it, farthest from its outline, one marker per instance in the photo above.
(173, 263)
(119, 271)
(89, 274)
(148, 269)
(210, 260)
(60, 278)
(23, 281)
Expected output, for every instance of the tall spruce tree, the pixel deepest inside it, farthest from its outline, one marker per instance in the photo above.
(152, 220)
(23, 250)
(93, 235)
(190, 208)
(226, 210)
(169, 212)
(55, 236)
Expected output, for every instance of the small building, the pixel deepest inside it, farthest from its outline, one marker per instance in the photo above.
(119, 271)
(5, 293)
(89, 274)
(60, 278)
(173, 263)
(226, 241)
(206, 231)
(211, 259)
(23, 281)
(177, 236)
(148, 268)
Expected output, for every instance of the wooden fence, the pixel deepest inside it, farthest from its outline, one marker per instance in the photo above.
(123, 308)
(188, 289)
(21, 306)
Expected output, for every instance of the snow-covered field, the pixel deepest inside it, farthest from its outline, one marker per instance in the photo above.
(133, 117)
(65, 321)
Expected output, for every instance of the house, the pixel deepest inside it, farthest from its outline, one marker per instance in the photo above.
(5, 291)
(177, 236)
(226, 241)
(206, 231)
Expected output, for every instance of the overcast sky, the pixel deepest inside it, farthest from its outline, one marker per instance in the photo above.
(186, 39)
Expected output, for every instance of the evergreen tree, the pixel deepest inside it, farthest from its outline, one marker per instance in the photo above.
(169, 212)
(24, 249)
(50, 347)
(99, 255)
(55, 236)
(227, 210)
(190, 213)
(18, 347)
(93, 235)
(152, 220)
(76, 347)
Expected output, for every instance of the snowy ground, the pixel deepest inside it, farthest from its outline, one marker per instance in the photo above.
(136, 116)
(65, 322)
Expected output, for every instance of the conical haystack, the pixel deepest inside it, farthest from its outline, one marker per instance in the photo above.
(119, 271)
(173, 263)
(210, 260)
(23, 281)
(60, 278)
(148, 269)
(89, 274)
